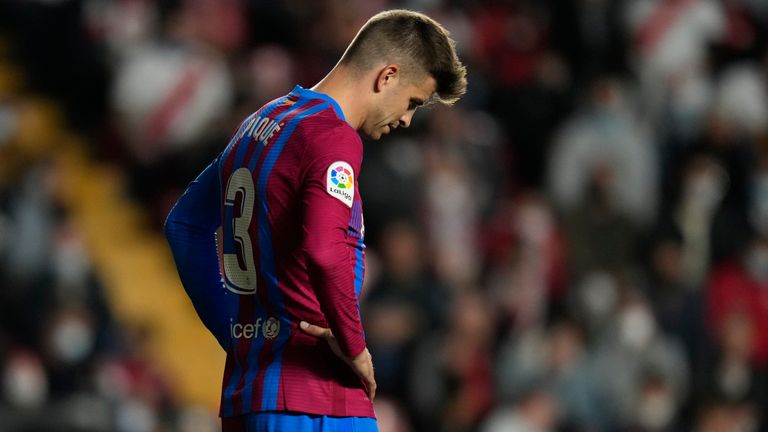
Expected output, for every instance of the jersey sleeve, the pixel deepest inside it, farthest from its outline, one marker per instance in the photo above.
(330, 166)
(190, 229)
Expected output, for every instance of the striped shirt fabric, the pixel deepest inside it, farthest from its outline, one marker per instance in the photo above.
(284, 192)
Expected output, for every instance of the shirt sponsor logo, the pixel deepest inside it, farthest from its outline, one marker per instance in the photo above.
(340, 182)
(269, 329)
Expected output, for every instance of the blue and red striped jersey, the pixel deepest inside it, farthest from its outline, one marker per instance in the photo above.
(284, 192)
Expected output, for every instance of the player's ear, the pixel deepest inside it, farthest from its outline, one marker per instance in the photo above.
(387, 76)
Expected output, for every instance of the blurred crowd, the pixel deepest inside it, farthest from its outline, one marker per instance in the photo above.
(580, 245)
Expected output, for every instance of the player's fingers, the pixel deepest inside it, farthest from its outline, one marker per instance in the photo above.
(371, 384)
(314, 330)
(365, 370)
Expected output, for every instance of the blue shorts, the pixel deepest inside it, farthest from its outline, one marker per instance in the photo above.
(296, 422)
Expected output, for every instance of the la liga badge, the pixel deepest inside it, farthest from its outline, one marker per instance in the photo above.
(340, 182)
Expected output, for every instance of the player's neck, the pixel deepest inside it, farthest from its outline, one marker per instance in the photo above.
(345, 90)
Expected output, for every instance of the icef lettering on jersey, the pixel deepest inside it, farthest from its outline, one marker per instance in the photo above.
(292, 224)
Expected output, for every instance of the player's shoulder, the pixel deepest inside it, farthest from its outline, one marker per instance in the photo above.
(328, 123)
(327, 131)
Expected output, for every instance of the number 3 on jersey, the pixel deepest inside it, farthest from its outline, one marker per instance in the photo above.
(239, 268)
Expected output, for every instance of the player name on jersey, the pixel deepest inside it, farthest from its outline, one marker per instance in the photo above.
(259, 128)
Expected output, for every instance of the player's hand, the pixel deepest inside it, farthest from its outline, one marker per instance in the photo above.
(362, 364)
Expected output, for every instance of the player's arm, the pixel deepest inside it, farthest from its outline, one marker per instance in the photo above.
(191, 232)
(329, 257)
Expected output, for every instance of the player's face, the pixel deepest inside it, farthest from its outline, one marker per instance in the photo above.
(396, 106)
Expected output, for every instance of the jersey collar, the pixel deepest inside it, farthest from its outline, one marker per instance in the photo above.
(311, 94)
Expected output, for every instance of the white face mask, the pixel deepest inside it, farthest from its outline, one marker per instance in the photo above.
(636, 327)
(757, 263)
(136, 415)
(72, 339)
(704, 191)
(599, 295)
(656, 411)
(759, 211)
(71, 263)
(24, 382)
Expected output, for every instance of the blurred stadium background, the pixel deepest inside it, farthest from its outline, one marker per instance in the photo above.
(580, 245)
